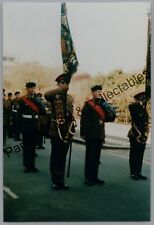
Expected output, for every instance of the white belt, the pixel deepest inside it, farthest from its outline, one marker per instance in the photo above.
(30, 116)
(14, 110)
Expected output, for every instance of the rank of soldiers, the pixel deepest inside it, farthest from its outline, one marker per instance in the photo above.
(31, 118)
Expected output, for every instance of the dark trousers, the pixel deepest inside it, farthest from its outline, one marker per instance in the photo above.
(16, 129)
(59, 151)
(92, 158)
(4, 133)
(136, 156)
(29, 135)
(40, 139)
(9, 129)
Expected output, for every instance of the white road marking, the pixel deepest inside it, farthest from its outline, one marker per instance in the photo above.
(9, 192)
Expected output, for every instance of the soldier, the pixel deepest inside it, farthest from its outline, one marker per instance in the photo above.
(15, 116)
(29, 108)
(9, 115)
(62, 129)
(93, 131)
(138, 135)
(42, 120)
(4, 118)
(9, 96)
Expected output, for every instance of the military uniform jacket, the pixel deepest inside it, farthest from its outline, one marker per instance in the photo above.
(61, 109)
(25, 109)
(91, 125)
(6, 111)
(15, 105)
(139, 120)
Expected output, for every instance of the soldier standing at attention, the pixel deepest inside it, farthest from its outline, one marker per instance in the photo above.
(4, 118)
(138, 135)
(9, 115)
(61, 130)
(15, 116)
(40, 133)
(29, 108)
(93, 131)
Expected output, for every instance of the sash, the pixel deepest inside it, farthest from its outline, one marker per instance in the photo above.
(30, 104)
(98, 109)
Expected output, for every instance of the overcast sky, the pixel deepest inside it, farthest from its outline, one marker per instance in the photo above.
(106, 35)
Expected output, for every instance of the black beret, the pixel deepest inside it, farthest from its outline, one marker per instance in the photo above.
(30, 85)
(9, 94)
(60, 78)
(140, 96)
(3, 90)
(17, 92)
(64, 77)
(96, 87)
(39, 94)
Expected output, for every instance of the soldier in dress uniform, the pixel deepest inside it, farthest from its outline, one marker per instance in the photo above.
(9, 115)
(42, 122)
(15, 116)
(93, 131)
(29, 108)
(4, 118)
(61, 130)
(138, 135)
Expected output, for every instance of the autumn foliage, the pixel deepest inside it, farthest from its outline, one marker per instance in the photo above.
(80, 85)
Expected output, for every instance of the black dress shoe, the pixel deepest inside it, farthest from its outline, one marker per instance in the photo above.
(99, 181)
(17, 139)
(56, 187)
(34, 170)
(135, 177)
(26, 170)
(10, 136)
(40, 147)
(64, 186)
(142, 177)
(89, 182)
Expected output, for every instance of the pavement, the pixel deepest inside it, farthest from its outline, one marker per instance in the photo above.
(116, 136)
(29, 197)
